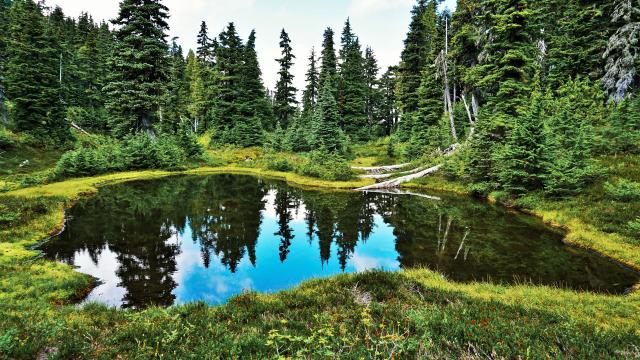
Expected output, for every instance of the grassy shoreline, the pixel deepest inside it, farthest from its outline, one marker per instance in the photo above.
(411, 313)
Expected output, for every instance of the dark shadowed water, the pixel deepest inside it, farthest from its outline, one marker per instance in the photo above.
(184, 239)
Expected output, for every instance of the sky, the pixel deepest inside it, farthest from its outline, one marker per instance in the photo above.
(382, 24)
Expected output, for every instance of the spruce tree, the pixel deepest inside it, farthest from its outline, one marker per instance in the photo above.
(174, 109)
(373, 94)
(570, 138)
(32, 77)
(206, 47)
(255, 110)
(310, 94)
(4, 32)
(388, 109)
(139, 66)
(285, 96)
(197, 99)
(413, 59)
(352, 102)
(326, 134)
(521, 160)
(622, 133)
(229, 65)
(425, 132)
(329, 63)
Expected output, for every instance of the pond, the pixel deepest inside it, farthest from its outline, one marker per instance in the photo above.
(184, 239)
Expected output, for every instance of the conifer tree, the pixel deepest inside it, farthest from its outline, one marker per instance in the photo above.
(256, 111)
(32, 77)
(329, 64)
(139, 67)
(285, 97)
(326, 134)
(174, 109)
(310, 94)
(352, 102)
(229, 66)
(414, 58)
(522, 158)
(197, 91)
(4, 32)
(570, 138)
(623, 130)
(425, 132)
(206, 47)
(388, 109)
(373, 95)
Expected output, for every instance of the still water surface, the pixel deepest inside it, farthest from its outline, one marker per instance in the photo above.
(184, 239)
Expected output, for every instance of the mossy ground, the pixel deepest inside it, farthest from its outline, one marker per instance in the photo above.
(412, 314)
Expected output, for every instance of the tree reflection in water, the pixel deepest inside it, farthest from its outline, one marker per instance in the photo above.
(238, 219)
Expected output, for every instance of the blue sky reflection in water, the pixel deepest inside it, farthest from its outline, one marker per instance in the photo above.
(185, 239)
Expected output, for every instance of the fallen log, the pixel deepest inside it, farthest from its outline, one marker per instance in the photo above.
(381, 169)
(393, 183)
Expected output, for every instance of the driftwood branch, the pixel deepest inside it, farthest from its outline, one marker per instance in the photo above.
(402, 192)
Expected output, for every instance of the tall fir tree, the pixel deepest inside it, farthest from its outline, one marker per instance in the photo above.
(174, 109)
(310, 94)
(329, 63)
(285, 97)
(139, 66)
(388, 111)
(4, 38)
(229, 65)
(326, 134)
(414, 58)
(32, 74)
(206, 47)
(521, 160)
(255, 109)
(352, 87)
(373, 95)
(425, 131)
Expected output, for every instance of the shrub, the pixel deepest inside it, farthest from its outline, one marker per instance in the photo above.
(6, 140)
(634, 228)
(135, 153)
(277, 163)
(624, 190)
(327, 166)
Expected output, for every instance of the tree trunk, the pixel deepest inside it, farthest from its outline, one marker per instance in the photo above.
(447, 90)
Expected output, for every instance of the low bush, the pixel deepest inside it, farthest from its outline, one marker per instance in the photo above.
(326, 166)
(624, 190)
(134, 153)
(6, 140)
(634, 228)
(277, 163)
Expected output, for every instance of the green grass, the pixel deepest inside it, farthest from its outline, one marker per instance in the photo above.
(412, 314)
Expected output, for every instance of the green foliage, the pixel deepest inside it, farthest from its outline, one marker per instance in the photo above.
(285, 96)
(6, 139)
(352, 87)
(623, 190)
(278, 163)
(326, 166)
(520, 160)
(32, 74)
(634, 228)
(139, 74)
(622, 133)
(133, 153)
(325, 131)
